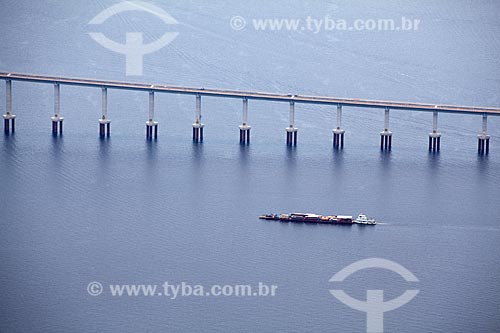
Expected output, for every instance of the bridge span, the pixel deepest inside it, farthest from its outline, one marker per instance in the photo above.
(198, 92)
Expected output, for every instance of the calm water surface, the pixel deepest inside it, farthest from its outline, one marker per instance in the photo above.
(77, 209)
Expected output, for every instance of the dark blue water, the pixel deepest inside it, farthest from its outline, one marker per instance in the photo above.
(77, 209)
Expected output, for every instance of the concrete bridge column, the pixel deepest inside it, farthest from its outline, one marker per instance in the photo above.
(9, 121)
(198, 126)
(291, 131)
(151, 124)
(338, 133)
(244, 127)
(57, 120)
(104, 122)
(386, 134)
(483, 139)
(435, 136)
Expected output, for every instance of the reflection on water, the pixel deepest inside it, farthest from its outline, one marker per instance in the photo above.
(245, 155)
(9, 162)
(105, 148)
(151, 150)
(57, 154)
(434, 162)
(197, 152)
(9, 144)
(291, 182)
(385, 159)
(338, 158)
(291, 157)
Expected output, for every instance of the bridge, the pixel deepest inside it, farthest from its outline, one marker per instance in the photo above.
(291, 99)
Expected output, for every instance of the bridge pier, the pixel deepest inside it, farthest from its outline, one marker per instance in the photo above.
(386, 134)
(151, 124)
(57, 120)
(338, 133)
(9, 122)
(104, 122)
(483, 139)
(198, 126)
(291, 131)
(244, 127)
(435, 136)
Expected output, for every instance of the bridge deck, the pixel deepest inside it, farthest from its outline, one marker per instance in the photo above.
(251, 95)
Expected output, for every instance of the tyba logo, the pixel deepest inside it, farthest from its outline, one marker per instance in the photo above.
(134, 49)
(374, 306)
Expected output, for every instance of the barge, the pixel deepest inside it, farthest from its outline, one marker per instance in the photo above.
(319, 219)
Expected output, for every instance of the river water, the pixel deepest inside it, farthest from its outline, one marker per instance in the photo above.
(77, 209)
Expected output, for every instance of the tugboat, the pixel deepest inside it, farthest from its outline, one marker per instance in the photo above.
(319, 219)
(363, 219)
